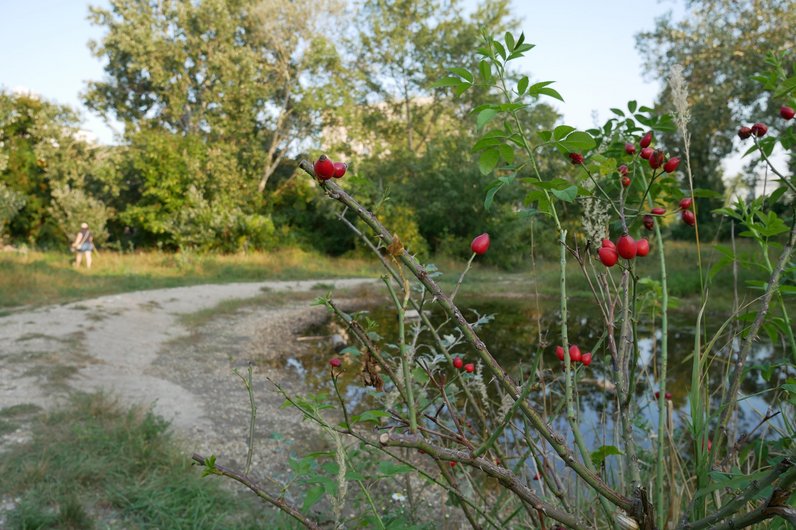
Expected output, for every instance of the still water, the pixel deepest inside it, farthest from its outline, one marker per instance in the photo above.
(512, 335)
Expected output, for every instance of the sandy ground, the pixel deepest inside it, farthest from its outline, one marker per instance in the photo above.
(138, 347)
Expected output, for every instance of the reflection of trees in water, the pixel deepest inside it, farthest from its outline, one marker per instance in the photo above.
(513, 337)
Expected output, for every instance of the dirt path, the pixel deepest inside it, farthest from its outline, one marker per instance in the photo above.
(139, 347)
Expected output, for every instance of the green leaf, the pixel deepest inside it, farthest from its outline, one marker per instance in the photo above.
(499, 49)
(577, 141)
(488, 161)
(447, 81)
(522, 85)
(562, 131)
(631, 106)
(618, 112)
(370, 415)
(551, 93)
(707, 193)
(486, 71)
(388, 468)
(484, 117)
(509, 41)
(786, 87)
(566, 195)
(490, 194)
(599, 456)
(506, 153)
(463, 73)
(313, 495)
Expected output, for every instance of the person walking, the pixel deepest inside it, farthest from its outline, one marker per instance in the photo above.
(83, 245)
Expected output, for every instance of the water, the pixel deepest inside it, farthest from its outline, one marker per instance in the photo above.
(512, 336)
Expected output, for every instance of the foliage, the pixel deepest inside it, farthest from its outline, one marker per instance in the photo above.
(231, 74)
(41, 150)
(72, 206)
(482, 436)
(720, 44)
(10, 203)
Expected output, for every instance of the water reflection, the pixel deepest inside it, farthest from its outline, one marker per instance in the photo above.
(513, 337)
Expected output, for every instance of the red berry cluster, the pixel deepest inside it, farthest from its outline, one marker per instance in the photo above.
(625, 246)
(686, 214)
(649, 219)
(326, 169)
(458, 363)
(574, 355)
(760, 129)
(655, 157)
(667, 396)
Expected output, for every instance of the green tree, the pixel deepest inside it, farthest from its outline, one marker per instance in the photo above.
(406, 137)
(41, 149)
(721, 44)
(250, 74)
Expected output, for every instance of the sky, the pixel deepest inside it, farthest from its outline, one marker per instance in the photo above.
(586, 47)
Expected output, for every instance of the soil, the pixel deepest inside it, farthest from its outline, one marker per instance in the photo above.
(177, 350)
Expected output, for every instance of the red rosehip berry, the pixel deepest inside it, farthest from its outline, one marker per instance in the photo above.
(457, 362)
(586, 359)
(576, 158)
(646, 153)
(786, 112)
(622, 170)
(480, 244)
(688, 217)
(667, 395)
(574, 354)
(759, 129)
(608, 256)
(452, 463)
(685, 204)
(658, 211)
(324, 168)
(560, 353)
(626, 246)
(671, 164)
(656, 159)
(642, 247)
(649, 222)
(744, 132)
(335, 362)
(630, 149)
(469, 368)
(537, 476)
(646, 140)
(339, 169)
(607, 243)
(625, 182)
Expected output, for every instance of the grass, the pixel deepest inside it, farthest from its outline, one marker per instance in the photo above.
(39, 278)
(95, 465)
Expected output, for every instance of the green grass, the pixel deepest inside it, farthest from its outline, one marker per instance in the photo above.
(37, 278)
(95, 465)
(683, 275)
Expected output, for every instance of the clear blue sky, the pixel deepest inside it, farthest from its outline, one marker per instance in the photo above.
(587, 47)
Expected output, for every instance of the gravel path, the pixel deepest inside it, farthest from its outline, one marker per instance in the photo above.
(144, 348)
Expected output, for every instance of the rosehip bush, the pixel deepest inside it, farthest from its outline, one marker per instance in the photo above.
(479, 433)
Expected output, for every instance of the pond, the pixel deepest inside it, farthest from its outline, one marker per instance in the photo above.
(512, 336)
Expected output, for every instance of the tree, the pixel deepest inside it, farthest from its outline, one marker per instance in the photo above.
(41, 149)
(250, 74)
(405, 136)
(721, 44)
